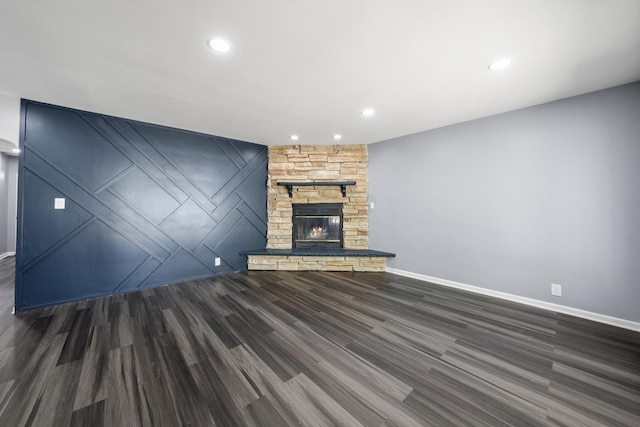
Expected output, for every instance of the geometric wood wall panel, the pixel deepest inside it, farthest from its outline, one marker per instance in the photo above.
(100, 160)
(146, 205)
(178, 148)
(82, 265)
(59, 224)
(157, 204)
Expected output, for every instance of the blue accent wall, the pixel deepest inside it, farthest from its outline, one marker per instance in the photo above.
(146, 205)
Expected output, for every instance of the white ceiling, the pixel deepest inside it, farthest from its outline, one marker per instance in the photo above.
(310, 66)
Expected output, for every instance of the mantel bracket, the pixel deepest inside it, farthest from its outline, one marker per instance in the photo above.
(290, 190)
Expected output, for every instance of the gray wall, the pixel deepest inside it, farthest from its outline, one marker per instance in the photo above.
(12, 200)
(517, 201)
(8, 203)
(4, 201)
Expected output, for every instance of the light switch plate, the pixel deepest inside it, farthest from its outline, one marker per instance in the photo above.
(58, 203)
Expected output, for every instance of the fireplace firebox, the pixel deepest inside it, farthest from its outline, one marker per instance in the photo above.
(317, 225)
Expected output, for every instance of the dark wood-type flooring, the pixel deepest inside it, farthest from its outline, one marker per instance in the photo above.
(310, 348)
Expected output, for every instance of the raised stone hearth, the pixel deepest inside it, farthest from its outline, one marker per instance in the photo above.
(315, 263)
(318, 163)
(318, 259)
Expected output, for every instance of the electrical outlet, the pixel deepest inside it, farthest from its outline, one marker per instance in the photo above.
(556, 290)
(216, 262)
(372, 205)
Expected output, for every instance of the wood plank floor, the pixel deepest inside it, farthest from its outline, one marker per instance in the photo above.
(312, 349)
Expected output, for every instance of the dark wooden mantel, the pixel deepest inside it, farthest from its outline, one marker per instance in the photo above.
(342, 184)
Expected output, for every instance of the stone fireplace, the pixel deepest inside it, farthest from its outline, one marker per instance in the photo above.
(340, 197)
(318, 163)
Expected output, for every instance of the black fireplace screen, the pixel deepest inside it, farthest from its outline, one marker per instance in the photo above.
(317, 225)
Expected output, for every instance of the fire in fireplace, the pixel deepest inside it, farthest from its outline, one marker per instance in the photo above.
(317, 225)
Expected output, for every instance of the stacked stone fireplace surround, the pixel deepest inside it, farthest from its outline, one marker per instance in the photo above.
(319, 163)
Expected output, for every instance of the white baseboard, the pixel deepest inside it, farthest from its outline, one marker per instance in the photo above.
(6, 254)
(622, 323)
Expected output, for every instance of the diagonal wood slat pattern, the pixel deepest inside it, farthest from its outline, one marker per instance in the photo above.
(309, 348)
(144, 205)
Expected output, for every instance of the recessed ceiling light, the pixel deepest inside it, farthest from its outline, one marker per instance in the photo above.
(16, 150)
(337, 136)
(219, 45)
(368, 112)
(294, 137)
(500, 64)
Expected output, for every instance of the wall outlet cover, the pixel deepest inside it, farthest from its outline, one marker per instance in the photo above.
(556, 290)
(216, 261)
(58, 203)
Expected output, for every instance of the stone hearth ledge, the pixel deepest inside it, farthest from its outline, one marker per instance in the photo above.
(361, 260)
